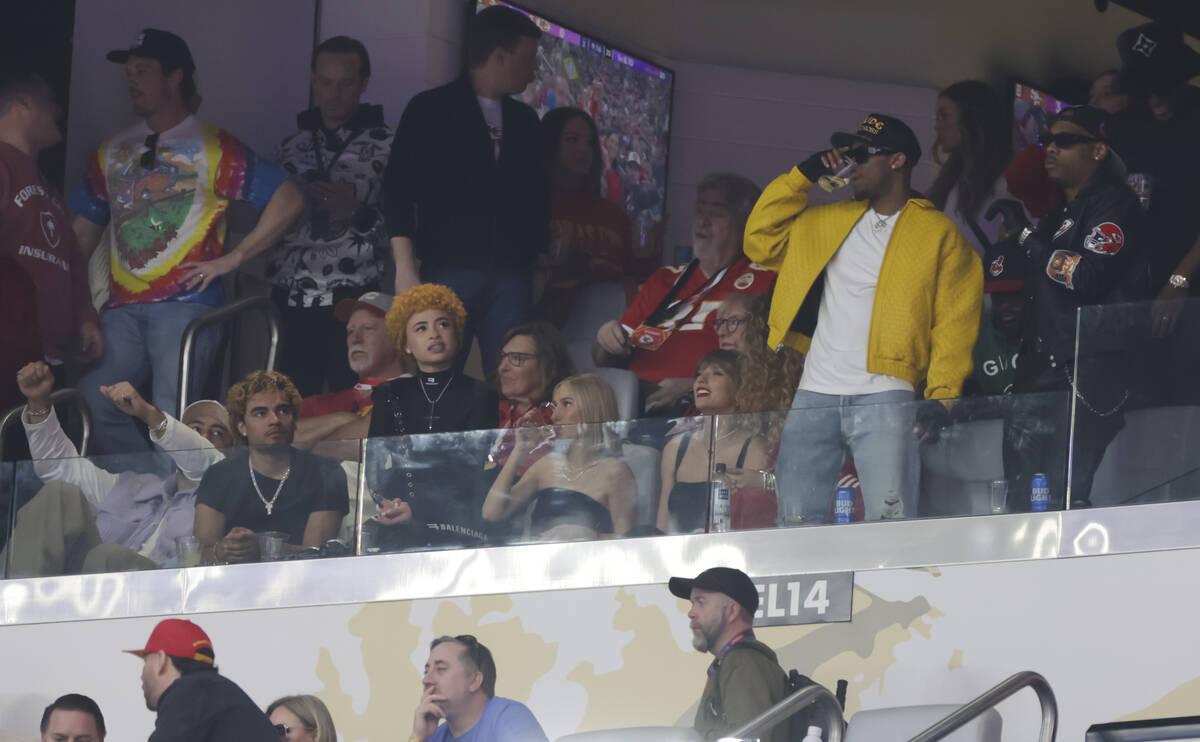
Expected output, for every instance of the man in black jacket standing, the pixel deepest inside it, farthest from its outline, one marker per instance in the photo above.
(194, 702)
(464, 191)
(1089, 252)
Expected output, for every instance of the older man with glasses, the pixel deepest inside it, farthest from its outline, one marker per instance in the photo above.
(460, 689)
(883, 294)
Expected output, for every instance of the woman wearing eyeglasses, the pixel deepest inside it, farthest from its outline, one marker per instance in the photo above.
(302, 719)
(684, 506)
(533, 359)
(582, 491)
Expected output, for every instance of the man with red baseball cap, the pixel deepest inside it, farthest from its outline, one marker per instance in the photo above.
(194, 702)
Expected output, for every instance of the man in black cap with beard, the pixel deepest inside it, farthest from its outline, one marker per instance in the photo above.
(741, 684)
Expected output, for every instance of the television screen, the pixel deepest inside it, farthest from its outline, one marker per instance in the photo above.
(1032, 110)
(630, 101)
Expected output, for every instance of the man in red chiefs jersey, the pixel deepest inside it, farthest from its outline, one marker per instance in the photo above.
(669, 325)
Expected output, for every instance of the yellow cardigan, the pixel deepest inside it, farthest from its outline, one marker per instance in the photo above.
(930, 293)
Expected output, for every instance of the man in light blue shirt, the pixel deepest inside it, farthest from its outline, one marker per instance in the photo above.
(460, 687)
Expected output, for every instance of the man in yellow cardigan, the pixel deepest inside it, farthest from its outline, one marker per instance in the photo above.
(883, 293)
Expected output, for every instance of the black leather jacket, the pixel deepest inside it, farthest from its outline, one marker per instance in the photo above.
(1089, 252)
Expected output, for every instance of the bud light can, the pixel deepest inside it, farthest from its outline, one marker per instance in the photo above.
(1039, 493)
(843, 505)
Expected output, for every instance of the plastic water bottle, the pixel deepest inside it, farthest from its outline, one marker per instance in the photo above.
(1039, 493)
(814, 735)
(843, 505)
(720, 501)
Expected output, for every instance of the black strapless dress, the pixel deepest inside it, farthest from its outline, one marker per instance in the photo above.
(557, 506)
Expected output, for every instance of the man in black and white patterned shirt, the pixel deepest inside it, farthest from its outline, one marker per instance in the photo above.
(337, 251)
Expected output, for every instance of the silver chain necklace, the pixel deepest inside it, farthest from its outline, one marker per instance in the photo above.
(433, 402)
(268, 504)
(881, 222)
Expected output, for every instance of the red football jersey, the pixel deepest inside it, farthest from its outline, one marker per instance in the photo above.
(691, 322)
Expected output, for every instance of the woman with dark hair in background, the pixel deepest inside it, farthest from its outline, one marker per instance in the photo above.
(591, 239)
(972, 145)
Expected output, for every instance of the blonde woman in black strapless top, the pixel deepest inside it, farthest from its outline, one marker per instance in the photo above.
(584, 492)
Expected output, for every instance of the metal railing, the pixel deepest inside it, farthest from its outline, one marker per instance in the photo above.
(221, 314)
(994, 696)
(817, 694)
(75, 397)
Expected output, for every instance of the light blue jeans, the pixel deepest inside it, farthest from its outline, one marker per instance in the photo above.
(877, 429)
(141, 343)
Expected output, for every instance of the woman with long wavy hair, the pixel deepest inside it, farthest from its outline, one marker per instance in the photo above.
(972, 145)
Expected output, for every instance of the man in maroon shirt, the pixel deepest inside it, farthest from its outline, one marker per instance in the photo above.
(35, 231)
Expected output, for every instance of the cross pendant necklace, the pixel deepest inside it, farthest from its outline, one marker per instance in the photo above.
(433, 402)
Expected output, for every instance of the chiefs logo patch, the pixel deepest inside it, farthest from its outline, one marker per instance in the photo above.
(997, 266)
(1105, 239)
(743, 281)
(1063, 228)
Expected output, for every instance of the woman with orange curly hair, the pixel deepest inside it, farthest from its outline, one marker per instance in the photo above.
(432, 498)
(426, 323)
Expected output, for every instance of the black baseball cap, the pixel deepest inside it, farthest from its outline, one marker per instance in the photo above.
(885, 132)
(1005, 267)
(732, 582)
(152, 43)
(1095, 121)
(1155, 58)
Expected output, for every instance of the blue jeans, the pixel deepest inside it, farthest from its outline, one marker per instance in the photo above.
(496, 301)
(141, 343)
(878, 431)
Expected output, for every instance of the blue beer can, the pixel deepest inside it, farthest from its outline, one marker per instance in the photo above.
(843, 505)
(1039, 493)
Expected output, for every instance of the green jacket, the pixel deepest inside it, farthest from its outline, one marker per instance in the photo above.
(748, 681)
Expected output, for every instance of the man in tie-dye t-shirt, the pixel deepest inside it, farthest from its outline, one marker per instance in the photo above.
(162, 186)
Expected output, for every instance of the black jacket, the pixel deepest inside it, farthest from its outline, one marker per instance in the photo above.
(1089, 252)
(204, 706)
(444, 188)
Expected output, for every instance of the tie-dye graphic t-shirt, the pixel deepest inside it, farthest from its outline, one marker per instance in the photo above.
(173, 212)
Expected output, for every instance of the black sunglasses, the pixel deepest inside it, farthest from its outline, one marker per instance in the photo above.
(1063, 141)
(866, 152)
(151, 154)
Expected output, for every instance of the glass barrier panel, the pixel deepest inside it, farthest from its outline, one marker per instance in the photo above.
(7, 510)
(840, 462)
(179, 509)
(1137, 403)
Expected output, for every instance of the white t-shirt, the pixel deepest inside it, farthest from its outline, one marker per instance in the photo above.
(494, 116)
(837, 361)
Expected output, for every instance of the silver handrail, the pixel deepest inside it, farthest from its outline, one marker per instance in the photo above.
(220, 314)
(994, 696)
(817, 694)
(75, 397)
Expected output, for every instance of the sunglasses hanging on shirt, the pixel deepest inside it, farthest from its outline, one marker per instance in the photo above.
(150, 156)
